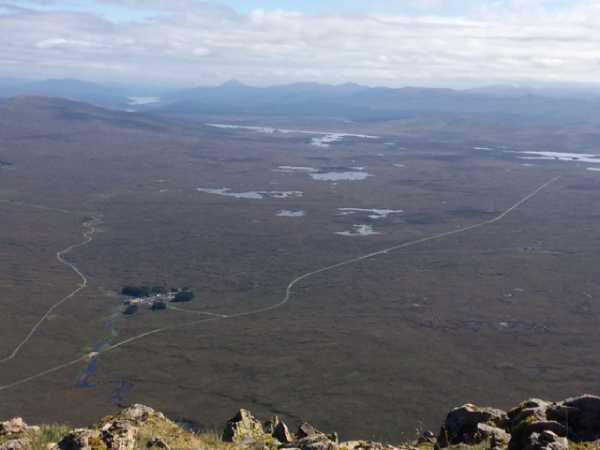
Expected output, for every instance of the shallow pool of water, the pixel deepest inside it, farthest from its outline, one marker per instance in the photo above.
(372, 213)
(340, 176)
(251, 195)
(290, 213)
(561, 156)
(359, 230)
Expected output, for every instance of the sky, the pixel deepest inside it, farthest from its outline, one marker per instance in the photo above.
(176, 43)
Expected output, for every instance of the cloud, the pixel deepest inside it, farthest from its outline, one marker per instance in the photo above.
(171, 6)
(492, 42)
(10, 8)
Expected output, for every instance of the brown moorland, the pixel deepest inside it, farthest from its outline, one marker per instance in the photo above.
(372, 349)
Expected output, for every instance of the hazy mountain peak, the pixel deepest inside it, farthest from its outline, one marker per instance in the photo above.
(233, 83)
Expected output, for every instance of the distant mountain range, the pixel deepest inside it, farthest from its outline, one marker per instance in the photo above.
(345, 101)
(107, 96)
(78, 90)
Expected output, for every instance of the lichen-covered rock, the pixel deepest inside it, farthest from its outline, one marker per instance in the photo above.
(531, 410)
(334, 437)
(15, 444)
(82, 439)
(114, 435)
(306, 429)
(140, 413)
(308, 432)
(520, 436)
(16, 425)
(577, 419)
(352, 445)
(316, 442)
(119, 435)
(427, 437)
(546, 440)
(366, 445)
(461, 424)
(309, 438)
(488, 432)
(242, 427)
(277, 428)
(580, 415)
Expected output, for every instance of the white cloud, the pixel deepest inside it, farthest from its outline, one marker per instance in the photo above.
(501, 41)
(70, 44)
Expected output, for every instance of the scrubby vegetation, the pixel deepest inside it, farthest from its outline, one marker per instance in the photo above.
(37, 438)
(47, 435)
(184, 296)
(158, 306)
(135, 291)
(130, 310)
(180, 294)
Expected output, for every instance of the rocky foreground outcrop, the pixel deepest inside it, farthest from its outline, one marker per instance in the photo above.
(14, 434)
(533, 425)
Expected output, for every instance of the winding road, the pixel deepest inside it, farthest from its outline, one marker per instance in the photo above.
(281, 303)
(89, 229)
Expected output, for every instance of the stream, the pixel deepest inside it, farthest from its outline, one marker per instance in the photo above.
(85, 380)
